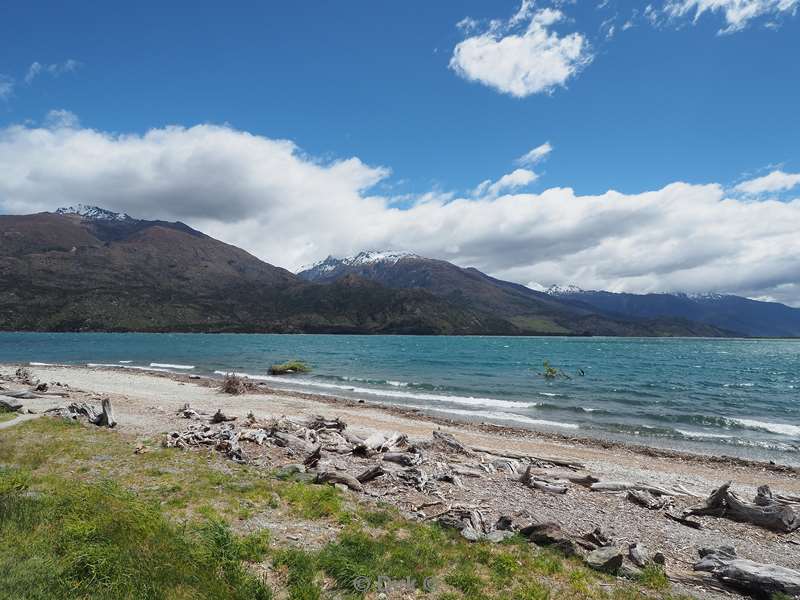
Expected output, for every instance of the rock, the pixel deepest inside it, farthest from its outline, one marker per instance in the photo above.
(639, 555)
(607, 559)
(469, 533)
(504, 523)
(550, 534)
(629, 571)
(598, 537)
(659, 558)
(760, 578)
(498, 535)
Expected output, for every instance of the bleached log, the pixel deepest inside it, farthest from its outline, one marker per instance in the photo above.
(106, 417)
(450, 442)
(559, 462)
(10, 404)
(406, 459)
(624, 486)
(541, 484)
(647, 500)
(765, 512)
(221, 417)
(334, 477)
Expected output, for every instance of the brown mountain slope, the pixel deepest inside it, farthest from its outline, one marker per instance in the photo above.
(103, 271)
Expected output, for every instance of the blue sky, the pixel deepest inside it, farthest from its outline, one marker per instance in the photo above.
(688, 91)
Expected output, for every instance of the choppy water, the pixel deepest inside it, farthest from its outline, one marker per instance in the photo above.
(738, 397)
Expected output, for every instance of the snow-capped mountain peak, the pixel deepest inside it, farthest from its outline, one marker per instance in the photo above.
(557, 290)
(369, 257)
(93, 213)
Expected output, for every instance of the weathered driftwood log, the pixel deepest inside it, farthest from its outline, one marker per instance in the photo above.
(527, 458)
(765, 512)
(684, 521)
(647, 500)
(760, 578)
(319, 422)
(542, 484)
(292, 442)
(371, 473)
(624, 486)
(639, 555)
(312, 460)
(571, 476)
(451, 443)
(221, 417)
(406, 459)
(334, 477)
(106, 416)
(8, 404)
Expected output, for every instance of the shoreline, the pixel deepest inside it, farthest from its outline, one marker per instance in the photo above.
(589, 442)
(150, 410)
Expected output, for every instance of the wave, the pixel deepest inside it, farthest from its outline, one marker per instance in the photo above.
(125, 362)
(702, 434)
(41, 364)
(134, 367)
(780, 428)
(171, 366)
(499, 416)
(468, 400)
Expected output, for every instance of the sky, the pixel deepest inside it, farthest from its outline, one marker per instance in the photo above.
(608, 144)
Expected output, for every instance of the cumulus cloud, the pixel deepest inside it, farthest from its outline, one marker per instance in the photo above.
(737, 13)
(54, 69)
(509, 182)
(290, 209)
(521, 56)
(777, 181)
(535, 156)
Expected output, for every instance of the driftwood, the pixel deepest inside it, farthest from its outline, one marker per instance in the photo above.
(450, 443)
(624, 486)
(684, 521)
(371, 473)
(102, 418)
(542, 484)
(406, 459)
(319, 422)
(765, 512)
(647, 500)
(312, 460)
(527, 458)
(106, 417)
(759, 578)
(221, 417)
(334, 477)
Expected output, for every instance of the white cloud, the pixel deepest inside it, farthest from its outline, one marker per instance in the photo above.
(6, 87)
(54, 69)
(535, 156)
(291, 209)
(777, 181)
(509, 182)
(737, 13)
(522, 56)
(58, 118)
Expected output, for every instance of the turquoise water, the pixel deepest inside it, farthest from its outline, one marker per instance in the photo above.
(737, 397)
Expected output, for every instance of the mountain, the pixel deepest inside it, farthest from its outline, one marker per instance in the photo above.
(86, 268)
(529, 311)
(733, 313)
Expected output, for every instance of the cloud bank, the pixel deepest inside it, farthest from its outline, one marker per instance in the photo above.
(737, 13)
(290, 209)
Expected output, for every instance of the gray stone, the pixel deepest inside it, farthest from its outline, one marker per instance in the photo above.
(498, 535)
(607, 559)
(470, 534)
(638, 555)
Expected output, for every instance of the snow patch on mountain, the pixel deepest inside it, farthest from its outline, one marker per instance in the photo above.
(93, 213)
(369, 257)
(557, 290)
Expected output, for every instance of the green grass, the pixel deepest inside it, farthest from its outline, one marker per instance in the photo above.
(7, 416)
(291, 366)
(99, 541)
(82, 516)
(654, 578)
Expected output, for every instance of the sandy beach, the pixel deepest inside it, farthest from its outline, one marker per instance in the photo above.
(146, 407)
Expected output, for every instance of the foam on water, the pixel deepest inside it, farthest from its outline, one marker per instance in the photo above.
(170, 366)
(134, 367)
(499, 416)
(780, 428)
(469, 400)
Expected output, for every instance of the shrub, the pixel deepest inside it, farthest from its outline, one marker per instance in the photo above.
(233, 384)
(291, 366)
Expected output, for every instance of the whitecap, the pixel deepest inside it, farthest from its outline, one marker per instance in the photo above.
(119, 366)
(499, 416)
(171, 366)
(702, 434)
(41, 364)
(780, 428)
(468, 400)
